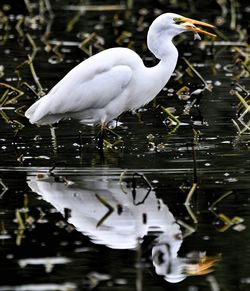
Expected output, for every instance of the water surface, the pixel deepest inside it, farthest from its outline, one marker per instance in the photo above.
(74, 220)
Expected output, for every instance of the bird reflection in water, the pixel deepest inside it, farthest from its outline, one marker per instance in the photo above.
(118, 215)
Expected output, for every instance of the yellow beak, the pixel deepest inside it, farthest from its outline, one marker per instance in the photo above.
(203, 267)
(188, 23)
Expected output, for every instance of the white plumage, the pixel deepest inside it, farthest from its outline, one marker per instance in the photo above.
(118, 230)
(124, 229)
(115, 80)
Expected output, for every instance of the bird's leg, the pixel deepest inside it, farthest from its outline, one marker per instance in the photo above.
(53, 139)
(100, 139)
(172, 118)
(102, 142)
(80, 146)
(109, 144)
(193, 189)
(138, 115)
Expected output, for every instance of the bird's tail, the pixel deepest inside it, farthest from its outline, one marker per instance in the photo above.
(39, 113)
(30, 113)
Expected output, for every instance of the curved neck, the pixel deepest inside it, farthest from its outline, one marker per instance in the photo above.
(162, 72)
(167, 63)
(165, 51)
(161, 45)
(160, 42)
(155, 78)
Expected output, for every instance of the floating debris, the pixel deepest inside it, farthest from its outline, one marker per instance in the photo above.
(5, 236)
(40, 287)
(94, 7)
(48, 262)
(245, 280)
(4, 188)
(151, 146)
(1, 71)
(150, 137)
(35, 157)
(239, 227)
(214, 285)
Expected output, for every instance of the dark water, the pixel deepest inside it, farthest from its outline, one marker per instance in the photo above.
(74, 220)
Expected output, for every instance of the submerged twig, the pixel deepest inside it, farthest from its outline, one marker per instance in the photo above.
(189, 229)
(172, 118)
(187, 203)
(227, 221)
(121, 181)
(243, 110)
(73, 21)
(106, 204)
(233, 14)
(21, 228)
(85, 42)
(223, 5)
(5, 100)
(130, 4)
(4, 21)
(30, 88)
(190, 194)
(207, 86)
(28, 6)
(33, 46)
(228, 193)
(18, 27)
(4, 188)
(33, 73)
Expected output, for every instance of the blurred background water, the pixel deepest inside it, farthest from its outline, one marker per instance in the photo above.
(73, 219)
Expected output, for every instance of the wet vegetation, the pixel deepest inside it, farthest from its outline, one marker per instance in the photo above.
(165, 204)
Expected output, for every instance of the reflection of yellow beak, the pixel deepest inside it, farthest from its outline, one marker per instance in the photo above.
(188, 23)
(203, 267)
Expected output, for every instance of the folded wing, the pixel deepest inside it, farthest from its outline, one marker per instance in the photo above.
(89, 86)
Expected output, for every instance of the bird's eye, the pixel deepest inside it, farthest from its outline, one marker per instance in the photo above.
(178, 20)
(159, 256)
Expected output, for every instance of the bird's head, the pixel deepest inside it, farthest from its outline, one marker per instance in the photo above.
(168, 25)
(188, 24)
(175, 269)
(174, 24)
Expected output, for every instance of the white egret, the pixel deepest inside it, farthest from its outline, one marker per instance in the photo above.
(120, 229)
(115, 80)
(138, 216)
